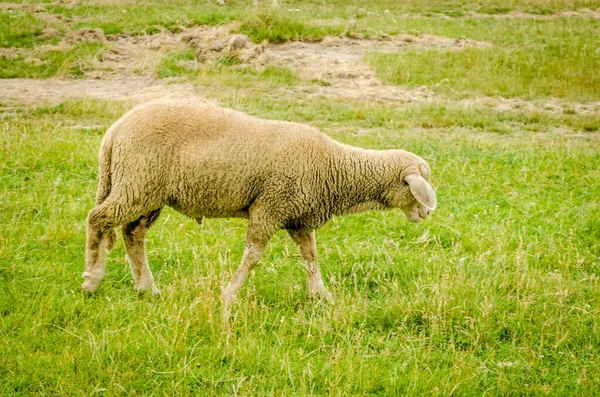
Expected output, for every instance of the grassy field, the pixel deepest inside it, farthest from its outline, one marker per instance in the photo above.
(497, 293)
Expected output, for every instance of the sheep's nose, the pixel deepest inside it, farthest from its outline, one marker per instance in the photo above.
(424, 212)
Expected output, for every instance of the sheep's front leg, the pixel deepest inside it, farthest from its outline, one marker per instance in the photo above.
(252, 255)
(257, 236)
(308, 248)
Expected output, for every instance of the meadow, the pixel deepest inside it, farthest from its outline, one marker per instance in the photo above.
(497, 293)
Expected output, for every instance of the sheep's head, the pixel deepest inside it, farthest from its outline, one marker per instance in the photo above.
(424, 201)
(412, 191)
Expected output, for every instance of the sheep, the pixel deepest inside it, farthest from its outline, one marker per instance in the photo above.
(206, 161)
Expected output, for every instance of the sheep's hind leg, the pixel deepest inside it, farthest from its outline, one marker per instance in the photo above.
(95, 252)
(308, 248)
(134, 235)
(100, 222)
(257, 236)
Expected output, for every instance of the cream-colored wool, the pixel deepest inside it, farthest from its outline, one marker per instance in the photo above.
(207, 161)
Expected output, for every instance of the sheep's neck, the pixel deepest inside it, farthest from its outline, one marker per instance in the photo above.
(355, 180)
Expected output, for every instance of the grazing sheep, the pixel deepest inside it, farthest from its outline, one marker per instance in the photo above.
(207, 161)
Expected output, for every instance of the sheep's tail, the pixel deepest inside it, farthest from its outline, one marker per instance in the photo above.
(105, 182)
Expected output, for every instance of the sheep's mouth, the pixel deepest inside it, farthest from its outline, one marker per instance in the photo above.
(415, 215)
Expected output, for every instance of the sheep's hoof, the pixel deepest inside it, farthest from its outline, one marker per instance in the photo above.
(226, 303)
(226, 318)
(322, 294)
(148, 289)
(227, 300)
(90, 286)
(87, 287)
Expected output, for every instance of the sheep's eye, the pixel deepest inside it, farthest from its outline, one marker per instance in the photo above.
(425, 173)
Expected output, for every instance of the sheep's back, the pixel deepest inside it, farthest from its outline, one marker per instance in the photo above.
(215, 162)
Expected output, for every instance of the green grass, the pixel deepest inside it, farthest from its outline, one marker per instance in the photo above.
(313, 21)
(182, 63)
(562, 62)
(225, 72)
(146, 18)
(278, 26)
(495, 293)
(19, 29)
(336, 113)
(261, 81)
(524, 58)
(73, 61)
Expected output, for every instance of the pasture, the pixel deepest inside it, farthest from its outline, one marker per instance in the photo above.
(496, 293)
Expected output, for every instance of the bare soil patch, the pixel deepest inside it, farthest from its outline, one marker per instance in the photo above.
(136, 89)
(217, 42)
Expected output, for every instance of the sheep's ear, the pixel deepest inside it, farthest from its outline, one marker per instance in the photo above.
(422, 190)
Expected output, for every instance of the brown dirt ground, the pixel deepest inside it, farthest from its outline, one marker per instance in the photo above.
(333, 67)
(136, 89)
